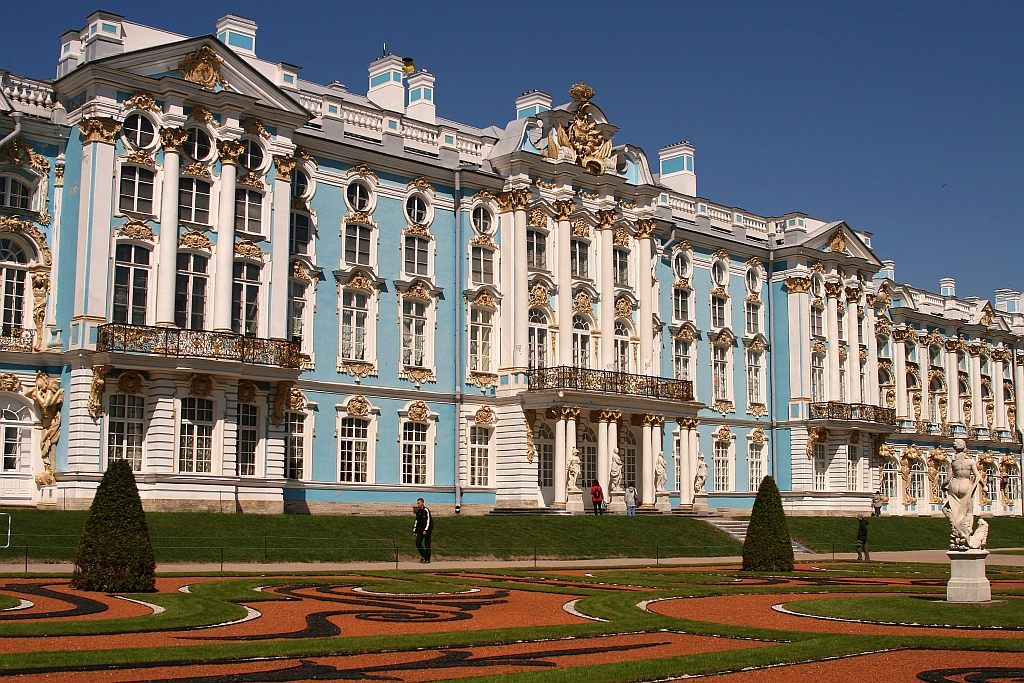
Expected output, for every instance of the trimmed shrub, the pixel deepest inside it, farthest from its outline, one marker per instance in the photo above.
(115, 554)
(768, 547)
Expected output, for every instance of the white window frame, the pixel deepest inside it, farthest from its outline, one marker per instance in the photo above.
(31, 186)
(261, 304)
(853, 468)
(24, 435)
(307, 298)
(756, 464)
(620, 266)
(371, 241)
(157, 185)
(372, 417)
(370, 329)
(725, 316)
(718, 450)
(307, 442)
(817, 378)
(582, 348)
(191, 276)
(535, 236)
(112, 419)
(428, 252)
(428, 333)
(721, 372)
(431, 441)
(623, 356)
(755, 375)
(817, 326)
(258, 452)
(539, 331)
(681, 304)
(15, 271)
(216, 434)
(481, 339)
(247, 217)
(150, 281)
(211, 210)
(683, 349)
(820, 466)
(545, 454)
(579, 246)
(752, 314)
(480, 447)
(482, 255)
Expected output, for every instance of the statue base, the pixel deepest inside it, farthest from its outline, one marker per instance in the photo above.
(617, 503)
(574, 503)
(967, 582)
(700, 502)
(662, 503)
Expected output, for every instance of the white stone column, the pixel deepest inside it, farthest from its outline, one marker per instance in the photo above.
(899, 367)
(280, 269)
(998, 400)
(607, 291)
(519, 198)
(953, 415)
(506, 269)
(603, 452)
(647, 497)
(832, 292)
(571, 416)
(223, 276)
(977, 403)
(1018, 388)
(613, 443)
(644, 232)
(871, 340)
(694, 437)
(685, 483)
(563, 273)
(167, 250)
(96, 196)
(799, 327)
(559, 478)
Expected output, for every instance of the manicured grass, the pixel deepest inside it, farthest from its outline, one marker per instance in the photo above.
(913, 610)
(822, 534)
(207, 537)
(7, 601)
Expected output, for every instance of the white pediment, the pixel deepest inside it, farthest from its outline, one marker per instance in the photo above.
(838, 237)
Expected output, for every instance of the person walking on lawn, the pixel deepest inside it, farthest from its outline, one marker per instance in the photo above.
(597, 497)
(877, 501)
(422, 529)
(862, 539)
(630, 497)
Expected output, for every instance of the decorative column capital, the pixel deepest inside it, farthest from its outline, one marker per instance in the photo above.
(229, 151)
(285, 166)
(514, 200)
(605, 218)
(797, 285)
(563, 209)
(644, 228)
(833, 289)
(173, 138)
(570, 412)
(689, 423)
(100, 129)
(652, 420)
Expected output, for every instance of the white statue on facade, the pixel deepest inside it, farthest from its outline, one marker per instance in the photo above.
(660, 471)
(49, 396)
(959, 504)
(702, 474)
(572, 468)
(615, 471)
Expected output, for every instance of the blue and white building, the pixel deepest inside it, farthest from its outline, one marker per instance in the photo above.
(273, 295)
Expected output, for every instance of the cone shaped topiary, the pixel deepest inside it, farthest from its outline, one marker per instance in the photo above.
(768, 547)
(115, 554)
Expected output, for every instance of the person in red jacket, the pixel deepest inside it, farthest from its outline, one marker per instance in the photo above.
(597, 498)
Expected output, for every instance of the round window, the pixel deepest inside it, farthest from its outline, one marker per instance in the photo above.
(358, 196)
(197, 144)
(753, 281)
(138, 130)
(252, 157)
(482, 219)
(719, 273)
(416, 209)
(300, 183)
(682, 266)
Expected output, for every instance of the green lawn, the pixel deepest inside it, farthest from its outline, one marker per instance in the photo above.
(913, 610)
(896, 533)
(200, 537)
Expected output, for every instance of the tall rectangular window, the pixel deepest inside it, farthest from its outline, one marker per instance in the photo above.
(357, 245)
(190, 291)
(300, 233)
(681, 359)
(479, 455)
(546, 472)
(480, 328)
(720, 373)
(754, 377)
(820, 462)
(753, 315)
(536, 250)
(680, 304)
(842, 381)
(295, 445)
(125, 421)
(817, 378)
(12, 448)
(722, 466)
(195, 450)
(621, 267)
(354, 313)
(415, 255)
(245, 299)
(14, 297)
(853, 467)
(414, 335)
(355, 446)
(194, 201)
(248, 211)
(414, 453)
(136, 190)
(131, 283)
(297, 311)
(482, 266)
(841, 325)
(817, 325)
(247, 439)
(579, 259)
(718, 318)
(755, 465)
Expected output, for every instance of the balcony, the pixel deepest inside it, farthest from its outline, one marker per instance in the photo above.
(608, 382)
(853, 412)
(177, 343)
(17, 340)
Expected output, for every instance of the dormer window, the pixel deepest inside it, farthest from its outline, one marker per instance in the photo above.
(138, 131)
(14, 194)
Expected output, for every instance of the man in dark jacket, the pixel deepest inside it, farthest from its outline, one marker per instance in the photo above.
(423, 528)
(862, 539)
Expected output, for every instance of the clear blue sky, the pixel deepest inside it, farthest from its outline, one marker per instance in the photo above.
(904, 119)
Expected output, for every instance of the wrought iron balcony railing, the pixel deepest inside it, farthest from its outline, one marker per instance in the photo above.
(17, 340)
(606, 381)
(857, 412)
(178, 343)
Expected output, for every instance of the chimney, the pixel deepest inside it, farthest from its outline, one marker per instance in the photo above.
(947, 286)
(386, 89)
(677, 168)
(104, 36)
(421, 97)
(70, 52)
(888, 270)
(532, 103)
(238, 33)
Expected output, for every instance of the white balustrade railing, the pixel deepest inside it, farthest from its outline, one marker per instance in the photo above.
(28, 95)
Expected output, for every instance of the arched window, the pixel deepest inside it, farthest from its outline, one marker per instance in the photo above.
(15, 194)
(1012, 484)
(935, 391)
(587, 445)
(621, 342)
(544, 443)
(917, 479)
(888, 482)
(580, 342)
(13, 262)
(627, 451)
(992, 481)
(720, 273)
(16, 429)
(681, 265)
(942, 474)
(538, 339)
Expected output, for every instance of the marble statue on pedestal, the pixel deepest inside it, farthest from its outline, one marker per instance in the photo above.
(572, 468)
(660, 472)
(959, 504)
(615, 472)
(702, 474)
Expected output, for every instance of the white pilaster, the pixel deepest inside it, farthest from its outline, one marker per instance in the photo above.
(977, 404)
(167, 250)
(603, 453)
(999, 400)
(279, 257)
(563, 209)
(644, 230)
(871, 341)
(647, 497)
(952, 386)
(899, 366)
(832, 290)
(607, 293)
(520, 358)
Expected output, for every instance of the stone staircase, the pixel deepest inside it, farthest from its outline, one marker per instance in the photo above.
(737, 528)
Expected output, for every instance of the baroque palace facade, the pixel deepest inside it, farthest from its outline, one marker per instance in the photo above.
(272, 295)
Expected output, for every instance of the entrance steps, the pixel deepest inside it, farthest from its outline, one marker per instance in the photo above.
(737, 528)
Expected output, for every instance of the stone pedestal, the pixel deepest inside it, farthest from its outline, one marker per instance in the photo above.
(617, 503)
(662, 503)
(700, 502)
(574, 504)
(967, 582)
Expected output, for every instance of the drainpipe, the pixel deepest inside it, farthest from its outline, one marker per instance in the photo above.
(458, 337)
(771, 356)
(16, 115)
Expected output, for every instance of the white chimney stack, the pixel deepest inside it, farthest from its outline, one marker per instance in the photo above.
(386, 88)
(421, 97)
(238, 33)
(677, 168)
